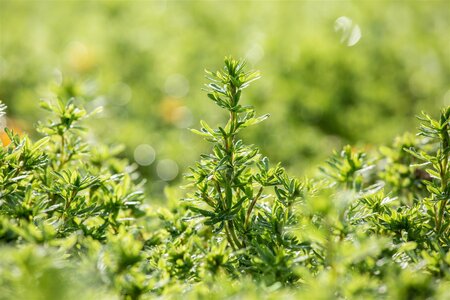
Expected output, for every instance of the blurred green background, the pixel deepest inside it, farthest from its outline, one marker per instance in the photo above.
(333, 72)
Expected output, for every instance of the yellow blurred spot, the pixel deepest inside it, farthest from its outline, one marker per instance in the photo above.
(172, 111)
(80, 57)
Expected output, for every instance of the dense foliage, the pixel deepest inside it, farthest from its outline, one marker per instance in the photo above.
(74, 223)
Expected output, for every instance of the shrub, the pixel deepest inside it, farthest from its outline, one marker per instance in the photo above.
(74, 221)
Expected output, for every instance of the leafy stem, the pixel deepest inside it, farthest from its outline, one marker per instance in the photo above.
(222, 172)
(437, 130)
(230, 181)
(443, 163)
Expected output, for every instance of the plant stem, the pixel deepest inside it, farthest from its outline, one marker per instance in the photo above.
(222, 203)
(442, 207)
(62, 160)
(229, 141)
(230, 240)
(250, 208)
(444, 176)
(233, 234)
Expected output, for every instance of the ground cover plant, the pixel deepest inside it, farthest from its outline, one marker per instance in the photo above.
(75, 223)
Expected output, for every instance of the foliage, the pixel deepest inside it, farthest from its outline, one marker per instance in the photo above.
(142, 61)
(231, 182)
(74, 221)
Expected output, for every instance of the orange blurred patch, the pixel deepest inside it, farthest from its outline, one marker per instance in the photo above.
(12, 125)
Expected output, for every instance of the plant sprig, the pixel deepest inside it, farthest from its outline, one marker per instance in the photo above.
(438, 168)
(236, 190)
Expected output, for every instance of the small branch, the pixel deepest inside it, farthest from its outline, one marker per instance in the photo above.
(219, 193)
(230, 240)
(252, 205)
(233, 234)
(72, 196)
(208, 200)
(443, 164)
(441, 214)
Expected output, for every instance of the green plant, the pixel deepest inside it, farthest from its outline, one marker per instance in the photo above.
(74, 222)
(52, 184)
(63, 194)
(349, 167)
(231, 183)
(437, 163)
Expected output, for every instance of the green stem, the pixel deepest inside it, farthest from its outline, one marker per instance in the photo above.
(441, 214)
(222, 203)
(233, 234)
(67, 204)
(443, 164)
(229, 141)
(230, 240)
(72, 196)
(208, 200)
(62, 159)
(230, 138)
(252, 205)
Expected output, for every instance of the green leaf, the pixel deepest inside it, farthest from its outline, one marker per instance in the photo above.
(254, 121)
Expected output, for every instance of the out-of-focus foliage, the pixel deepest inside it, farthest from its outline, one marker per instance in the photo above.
(334, 73)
